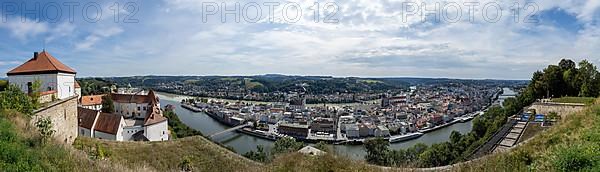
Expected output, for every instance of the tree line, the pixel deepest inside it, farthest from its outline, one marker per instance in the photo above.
(564, 79)
(281, 146)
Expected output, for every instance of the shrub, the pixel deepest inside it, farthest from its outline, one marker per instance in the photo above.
(44, 126)
(574, 158)
(13, 98)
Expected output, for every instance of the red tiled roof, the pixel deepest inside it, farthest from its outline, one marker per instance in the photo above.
(108, 123)
(43, 63)
(86, 117)
(47, 92)
(77, 85)
(154, 115)
(91, 100)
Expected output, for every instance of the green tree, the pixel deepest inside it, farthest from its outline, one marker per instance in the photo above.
(377, 151)
(107, 104)
(553, 81)
(479, 126)
(322, 146)
(259, 155)
(35, 94)
(286, 144)
(455, 137)
(13, 98)
(511, 105)
(590, 79)
(437, 155)
(44, 126)
(3, 85)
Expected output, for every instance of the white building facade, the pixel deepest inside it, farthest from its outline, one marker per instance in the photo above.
(53, 75)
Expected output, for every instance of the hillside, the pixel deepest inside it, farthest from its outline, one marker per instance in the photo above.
(573, 145)
(21, 149)
(203, 155)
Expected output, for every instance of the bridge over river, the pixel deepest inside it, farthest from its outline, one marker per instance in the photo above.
(229, 130)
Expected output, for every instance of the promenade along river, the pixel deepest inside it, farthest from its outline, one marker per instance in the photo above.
(243, 143)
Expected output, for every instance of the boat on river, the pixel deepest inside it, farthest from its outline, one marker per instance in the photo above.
(405, 137)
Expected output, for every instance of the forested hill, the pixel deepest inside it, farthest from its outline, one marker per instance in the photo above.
(270, 83)
(285, 83)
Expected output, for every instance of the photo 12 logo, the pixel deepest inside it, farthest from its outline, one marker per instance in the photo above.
(452, 12)
(253, 12)
(122, 12)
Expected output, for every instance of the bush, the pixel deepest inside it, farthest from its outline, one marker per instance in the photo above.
(179, 129)
(13, 98)
(3, 85)
(286, 145)
(576, 158)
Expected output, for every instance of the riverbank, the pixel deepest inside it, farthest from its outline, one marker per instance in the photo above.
(339, 141)
(243, 143)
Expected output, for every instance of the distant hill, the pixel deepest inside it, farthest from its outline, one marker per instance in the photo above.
(313, 84)
(271, 83)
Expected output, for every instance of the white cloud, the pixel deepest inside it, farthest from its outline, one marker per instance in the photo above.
(24, 29)
(370, 40)
(61, 30)
(96, 36)
(2, 63)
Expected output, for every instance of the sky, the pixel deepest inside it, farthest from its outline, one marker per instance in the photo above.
(364, 38)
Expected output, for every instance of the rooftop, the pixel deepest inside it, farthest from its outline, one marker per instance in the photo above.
(41, 63)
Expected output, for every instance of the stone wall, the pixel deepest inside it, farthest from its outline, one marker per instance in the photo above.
(63, 114)
(561, 109)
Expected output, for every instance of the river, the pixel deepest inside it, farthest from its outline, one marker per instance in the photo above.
(243, 143)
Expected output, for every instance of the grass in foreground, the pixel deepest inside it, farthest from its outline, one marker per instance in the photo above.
(22, 150)
(196, 152)
(583, 100)
(572, 145)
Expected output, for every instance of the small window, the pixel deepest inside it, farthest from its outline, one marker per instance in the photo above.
(29, 87)
(139, 108)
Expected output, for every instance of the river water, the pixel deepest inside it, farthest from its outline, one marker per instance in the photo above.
(243, 143)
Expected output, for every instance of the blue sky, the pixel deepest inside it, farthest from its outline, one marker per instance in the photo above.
(371, 38)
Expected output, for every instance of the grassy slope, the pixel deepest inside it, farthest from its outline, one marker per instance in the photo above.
(20, 150)
(207, 156)
(167, 156)
(572, 144)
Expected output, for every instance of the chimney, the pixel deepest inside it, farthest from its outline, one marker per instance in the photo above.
(35, 55)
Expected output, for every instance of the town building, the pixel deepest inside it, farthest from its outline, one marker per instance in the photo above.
(293, 129)
(325, 125)
(352, 131)
(57, 92)
(139, 116)
(96, 124)
(93, 102)
(57, 79)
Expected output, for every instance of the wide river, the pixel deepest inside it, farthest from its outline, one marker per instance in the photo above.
(243, 143)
